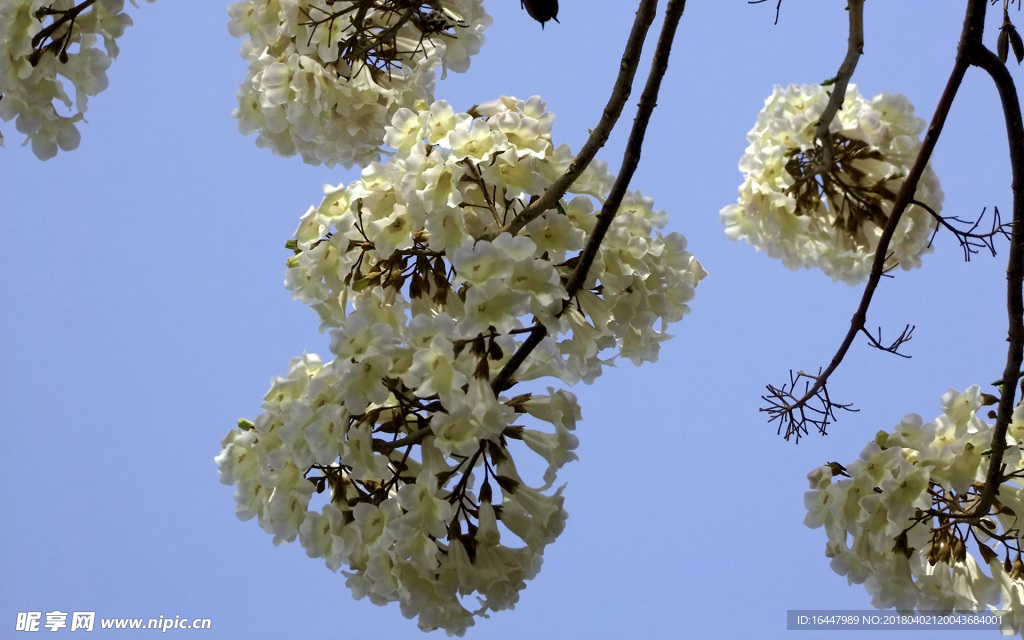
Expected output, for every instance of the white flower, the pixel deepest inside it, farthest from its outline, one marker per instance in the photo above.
(428, 297)
(37, 77)
(360, 457)
(325, 433)
(323, 535)
(302, 98)
(362, 382)
(425, 510)
(372, 520)
(889, 524)
(491, 260)
(560, 409)
(433, 370)
(808, 213)
(286, 511)
(238, 459)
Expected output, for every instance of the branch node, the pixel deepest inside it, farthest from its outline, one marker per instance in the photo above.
(814, 408)
(905, 336)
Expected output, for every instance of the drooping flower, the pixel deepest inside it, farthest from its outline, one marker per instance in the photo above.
(325, 77)
(428, 298)
(50, 65)
(823, 203)
(892, 520)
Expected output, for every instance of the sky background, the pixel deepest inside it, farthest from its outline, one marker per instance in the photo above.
(142, 313)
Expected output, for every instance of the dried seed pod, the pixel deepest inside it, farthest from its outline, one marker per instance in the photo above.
(1015, 42)
(541, 10)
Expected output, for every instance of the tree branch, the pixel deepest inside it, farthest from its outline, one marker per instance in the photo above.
(970, 39)
(971, 241)
(44, 40)
(599, 135)
(894, 347)
(855, 48)
(630, 160)
(988, 61)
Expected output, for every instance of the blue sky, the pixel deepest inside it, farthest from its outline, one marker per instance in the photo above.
(142, 313)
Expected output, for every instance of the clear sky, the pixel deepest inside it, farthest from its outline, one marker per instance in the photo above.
(142, 313)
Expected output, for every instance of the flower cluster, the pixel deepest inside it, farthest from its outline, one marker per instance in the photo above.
(894, 518)
(48, 47)
(428, 301)
(325, 77)
(823, 203)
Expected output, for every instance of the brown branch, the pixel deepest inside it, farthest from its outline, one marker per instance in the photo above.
(609, 117)
(39, 41)
(630, 160)
(970, 40)
(854, 50)
(970, 241)
(798, 417)
(988, 61)
(894, 347)
(411, 439)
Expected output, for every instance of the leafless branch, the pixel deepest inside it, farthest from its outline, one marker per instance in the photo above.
(905, 336)
(967, 232)
(854, 50)
(970, 38)
(370, 36)
(812, 409)
(57, 36)
(985, 59)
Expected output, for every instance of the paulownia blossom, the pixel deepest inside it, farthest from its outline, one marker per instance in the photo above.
(49, 52)
(823, 203)
(891, 516)
(408, 435)
(325, 77)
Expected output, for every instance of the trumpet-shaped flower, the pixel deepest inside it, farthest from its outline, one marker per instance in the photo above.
(824, 203)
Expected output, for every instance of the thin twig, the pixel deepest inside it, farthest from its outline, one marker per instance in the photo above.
(969, 240)
(905, 336)
(39, 41)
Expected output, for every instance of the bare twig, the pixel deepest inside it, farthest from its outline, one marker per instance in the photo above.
(369, 37)
(48, 38)
(905, 336)
(970, 240)
(814, 409)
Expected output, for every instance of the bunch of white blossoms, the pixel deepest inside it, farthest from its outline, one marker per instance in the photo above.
(891, 515)
(46, 45)
(823, 204)
(409, 427)
(326, 76)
